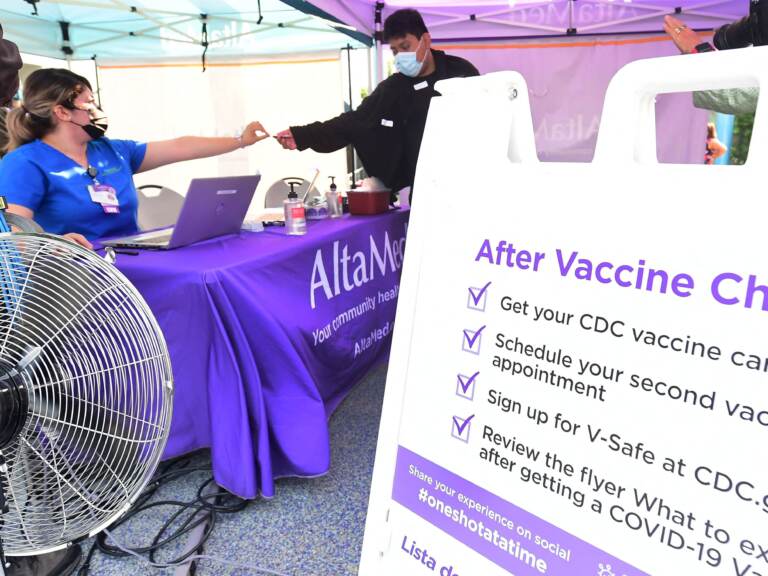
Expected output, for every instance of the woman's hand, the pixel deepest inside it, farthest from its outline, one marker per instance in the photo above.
(78, 239)
(253, 133)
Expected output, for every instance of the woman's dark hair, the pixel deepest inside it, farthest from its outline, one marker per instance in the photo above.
(43, 90)
(402, 22)
(3, 132)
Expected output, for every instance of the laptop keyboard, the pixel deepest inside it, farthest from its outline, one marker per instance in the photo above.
(163, 238)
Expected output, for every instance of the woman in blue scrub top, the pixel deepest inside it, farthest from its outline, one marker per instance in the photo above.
(66, 175)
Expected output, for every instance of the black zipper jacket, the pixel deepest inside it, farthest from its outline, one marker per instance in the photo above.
(387, 127)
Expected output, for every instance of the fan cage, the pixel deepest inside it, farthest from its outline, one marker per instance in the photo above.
(95, 369)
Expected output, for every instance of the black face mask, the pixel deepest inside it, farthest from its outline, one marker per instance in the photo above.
(97, 127)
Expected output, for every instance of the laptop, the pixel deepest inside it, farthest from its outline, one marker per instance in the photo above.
(212, 207)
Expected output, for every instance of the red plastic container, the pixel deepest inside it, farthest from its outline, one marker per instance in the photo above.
(367, 202)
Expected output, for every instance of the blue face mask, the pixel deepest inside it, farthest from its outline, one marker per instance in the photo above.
(406, 63)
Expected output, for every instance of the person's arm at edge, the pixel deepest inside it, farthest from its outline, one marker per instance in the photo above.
(22, 211)
(728, 101)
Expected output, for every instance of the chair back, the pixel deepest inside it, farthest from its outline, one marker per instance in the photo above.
(278, 191)
(158, 206)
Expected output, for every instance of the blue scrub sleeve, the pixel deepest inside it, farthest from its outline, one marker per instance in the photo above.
(21, 181)
(132, 151)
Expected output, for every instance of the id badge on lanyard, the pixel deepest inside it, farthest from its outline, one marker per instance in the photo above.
(106, 196)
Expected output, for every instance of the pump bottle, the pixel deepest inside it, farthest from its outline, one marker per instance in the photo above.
(334, 200)
(295, 219)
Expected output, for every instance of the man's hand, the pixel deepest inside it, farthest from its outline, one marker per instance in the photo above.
(253, 133)
(285, 138)
(78, 239)
(684, 38)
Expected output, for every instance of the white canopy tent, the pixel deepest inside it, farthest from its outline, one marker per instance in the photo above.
(566, 49)
(265, 60)
(173, 29)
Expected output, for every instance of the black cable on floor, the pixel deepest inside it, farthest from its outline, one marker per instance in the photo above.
(204, 509)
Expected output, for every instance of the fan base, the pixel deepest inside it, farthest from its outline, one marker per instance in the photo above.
(60, 563)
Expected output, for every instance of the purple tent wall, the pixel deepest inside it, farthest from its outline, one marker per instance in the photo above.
(567, 80)
(505, 19)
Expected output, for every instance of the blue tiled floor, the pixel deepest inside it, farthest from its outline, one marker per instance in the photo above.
(311, 526)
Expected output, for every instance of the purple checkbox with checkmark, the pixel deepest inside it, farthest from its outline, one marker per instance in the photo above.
(460, 428)
(470, 340)
(477, 297)
(465, 385)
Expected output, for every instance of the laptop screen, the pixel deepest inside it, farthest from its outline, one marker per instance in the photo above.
(212, 207)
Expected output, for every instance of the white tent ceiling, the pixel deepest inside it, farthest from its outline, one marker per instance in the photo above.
(124, 29)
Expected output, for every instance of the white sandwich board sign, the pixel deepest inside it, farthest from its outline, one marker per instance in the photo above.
(578, 383)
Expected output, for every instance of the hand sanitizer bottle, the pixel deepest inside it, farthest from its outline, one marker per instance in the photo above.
(295, 219)
(334, 200)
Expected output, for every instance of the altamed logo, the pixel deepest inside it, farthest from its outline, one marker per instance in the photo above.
(336, 271)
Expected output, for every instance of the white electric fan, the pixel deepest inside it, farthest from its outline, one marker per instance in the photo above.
(85, 393)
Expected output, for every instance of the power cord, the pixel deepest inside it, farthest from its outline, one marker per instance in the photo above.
(203, 510)
(257, 569)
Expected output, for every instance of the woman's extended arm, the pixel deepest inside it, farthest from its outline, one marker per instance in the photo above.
(193, 147)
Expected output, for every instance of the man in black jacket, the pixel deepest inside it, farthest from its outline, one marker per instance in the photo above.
(387, 127)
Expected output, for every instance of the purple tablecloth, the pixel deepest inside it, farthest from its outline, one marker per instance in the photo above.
(267, 334)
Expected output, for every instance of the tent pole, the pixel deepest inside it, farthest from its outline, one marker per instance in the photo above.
(351, 163)
(66, 47)
(376, 65)
(378, 73)
(98, 86)
(370, 52)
